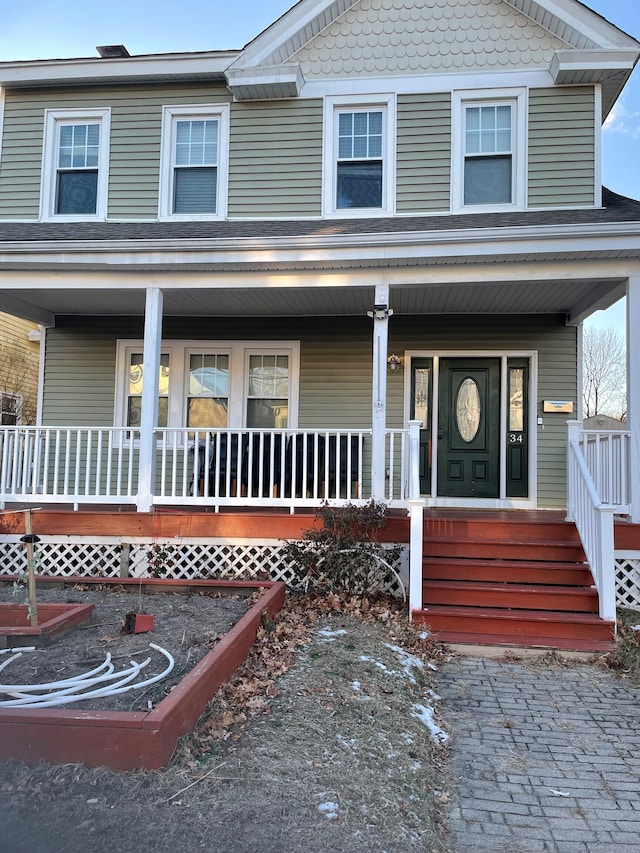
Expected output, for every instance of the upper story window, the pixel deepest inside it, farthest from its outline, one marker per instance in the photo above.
(75, 164)
(193, 174)
(489, 149)
(359, 156)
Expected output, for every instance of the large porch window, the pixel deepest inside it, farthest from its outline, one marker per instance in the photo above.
(213, 385)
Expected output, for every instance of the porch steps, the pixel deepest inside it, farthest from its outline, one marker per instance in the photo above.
(509, 580)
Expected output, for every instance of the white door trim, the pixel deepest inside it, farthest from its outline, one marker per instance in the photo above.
(503, 502)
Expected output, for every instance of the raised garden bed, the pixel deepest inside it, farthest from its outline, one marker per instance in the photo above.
(130, 740)
(54, 620)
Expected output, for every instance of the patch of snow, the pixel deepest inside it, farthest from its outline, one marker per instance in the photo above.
(407, 662)
(426, 714)
(559, 793)
(433, 694)
(432, 666)
(415, 767)
(406, 737)
(423, 635)
(329, 634)
(355, 685)
(329, 810)
(635, 627)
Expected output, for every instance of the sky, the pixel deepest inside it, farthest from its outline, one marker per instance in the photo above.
(42, 29)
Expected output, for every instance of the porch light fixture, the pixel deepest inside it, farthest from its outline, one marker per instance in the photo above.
(394, 363)
(380, 312)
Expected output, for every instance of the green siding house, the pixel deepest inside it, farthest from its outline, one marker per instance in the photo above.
(349, 261)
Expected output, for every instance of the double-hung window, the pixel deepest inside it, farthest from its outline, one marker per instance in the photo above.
(489, 170)
(359, 156)
(194, 162)
(75, 164)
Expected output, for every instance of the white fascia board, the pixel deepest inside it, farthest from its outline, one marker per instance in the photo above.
(579, 17)
(74, 71)
(567, 61)
(1, 119)
(468, 243)
(508, 273)
(276, 35)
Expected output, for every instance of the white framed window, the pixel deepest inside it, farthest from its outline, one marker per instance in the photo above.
(359, 156)
(75, 164)
(193, 163)
(213, 384)
(489, 150)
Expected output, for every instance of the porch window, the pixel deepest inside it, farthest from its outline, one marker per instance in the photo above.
(488, 163)
(134, 395)
(229, 384)
(359, 153)
(75, 164)
(268, 392)
(193, 162)
(208, 392)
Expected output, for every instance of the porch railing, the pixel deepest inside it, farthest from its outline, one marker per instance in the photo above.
(262, 467)
(594, 521)
(68, 465)
(607, 454)
(293, 468)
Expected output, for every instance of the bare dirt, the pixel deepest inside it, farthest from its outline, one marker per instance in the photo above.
(186, 625)
(323, 742)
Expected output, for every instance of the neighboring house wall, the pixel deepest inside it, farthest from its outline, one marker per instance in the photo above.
(335, 367)
(275, 157)
(19, 364)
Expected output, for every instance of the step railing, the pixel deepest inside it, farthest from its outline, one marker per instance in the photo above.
(594, 522)
(93, 465)
(607, 454)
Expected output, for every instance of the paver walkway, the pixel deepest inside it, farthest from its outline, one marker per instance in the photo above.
(544, 758)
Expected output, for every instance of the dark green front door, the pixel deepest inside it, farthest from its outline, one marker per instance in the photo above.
(469, 428)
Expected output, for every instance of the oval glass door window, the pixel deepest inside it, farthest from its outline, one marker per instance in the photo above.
(468, 410)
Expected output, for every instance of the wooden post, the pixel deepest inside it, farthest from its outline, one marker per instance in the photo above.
(33, 605)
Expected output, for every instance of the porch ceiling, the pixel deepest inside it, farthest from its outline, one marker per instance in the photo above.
(417, 296)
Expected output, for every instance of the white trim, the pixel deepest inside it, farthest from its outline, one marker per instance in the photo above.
(209, 66)
(427, 84)
(597, 153)
(52, 121)
(170, 114)
(501, 502)
(41, 366)
(517, 98)
(179, 351)
(332, 107)
(2, 99)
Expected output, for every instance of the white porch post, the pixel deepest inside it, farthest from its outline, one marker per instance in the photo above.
(633, 392)
(380, 315)
(149, 405)
(416, 520)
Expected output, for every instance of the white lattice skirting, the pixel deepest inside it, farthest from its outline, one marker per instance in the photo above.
(111, 557)
(628, 579)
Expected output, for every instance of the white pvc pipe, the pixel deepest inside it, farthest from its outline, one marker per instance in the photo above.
(122, 686)
(53, 685)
